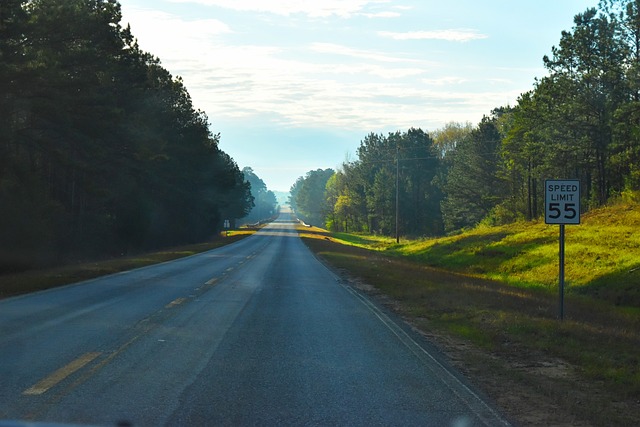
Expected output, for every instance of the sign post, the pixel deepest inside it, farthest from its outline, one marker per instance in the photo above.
(227, 225)
(562, 206)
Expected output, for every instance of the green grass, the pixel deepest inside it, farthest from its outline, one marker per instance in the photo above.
(364, 240)
(602, 254)
(495, 288)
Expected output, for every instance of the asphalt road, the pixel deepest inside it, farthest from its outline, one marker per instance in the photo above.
(255, 333)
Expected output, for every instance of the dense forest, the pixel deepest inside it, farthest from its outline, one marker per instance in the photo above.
(265, 205)
(101, 149)
(581, 121)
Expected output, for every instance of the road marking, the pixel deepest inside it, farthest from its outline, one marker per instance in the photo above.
(175, 302)
(472, 400)
(212, 281)
(59, 375)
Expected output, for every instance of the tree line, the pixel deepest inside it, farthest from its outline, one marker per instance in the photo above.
(581, 121)
(265, 204)
(101, 149)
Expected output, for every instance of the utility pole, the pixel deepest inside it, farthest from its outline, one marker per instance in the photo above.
(397, 193)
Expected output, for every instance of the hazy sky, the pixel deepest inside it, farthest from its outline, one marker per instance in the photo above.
(295, 85)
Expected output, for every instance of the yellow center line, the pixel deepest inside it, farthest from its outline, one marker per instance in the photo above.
(59, 375)
(175, 302)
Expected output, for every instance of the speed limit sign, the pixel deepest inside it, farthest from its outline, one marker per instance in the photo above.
(562, 201)
(561, 206)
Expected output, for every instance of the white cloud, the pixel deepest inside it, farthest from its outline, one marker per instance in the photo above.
(463, 35)
(444, 81)
(337, 87)
(332, 103)
(313, 8)
(155, 21)
(387, 14)
(167, 36)
(402, 7)
(336, 49)
(271, 67)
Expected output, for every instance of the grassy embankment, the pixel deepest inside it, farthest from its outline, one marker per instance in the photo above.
(490, 297)
(36, 280)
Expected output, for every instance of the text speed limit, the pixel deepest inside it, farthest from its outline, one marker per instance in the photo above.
(562, 201)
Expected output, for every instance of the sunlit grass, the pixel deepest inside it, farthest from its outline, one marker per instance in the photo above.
(602, 255)
(239, 232)
(365, 241)
(603, 251)
(446, 285)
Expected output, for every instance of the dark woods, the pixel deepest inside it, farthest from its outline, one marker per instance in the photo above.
(581, 121)
(101, 149)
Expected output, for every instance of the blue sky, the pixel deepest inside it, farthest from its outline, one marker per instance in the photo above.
(295, 85)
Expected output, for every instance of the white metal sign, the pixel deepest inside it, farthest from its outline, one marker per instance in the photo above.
(561, 206)
(562, 201)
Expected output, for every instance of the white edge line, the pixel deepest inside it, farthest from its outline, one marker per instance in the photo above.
(393, 327)
(381, 316)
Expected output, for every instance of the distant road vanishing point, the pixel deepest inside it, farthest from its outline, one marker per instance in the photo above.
(255, 333)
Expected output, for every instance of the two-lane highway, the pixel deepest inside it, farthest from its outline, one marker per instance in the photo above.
(255, 333)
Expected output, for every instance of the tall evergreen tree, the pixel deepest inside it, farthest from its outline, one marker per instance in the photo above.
(474, 185)
(588, 67)
(310, 200)
(265, 203)
(102, 150)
